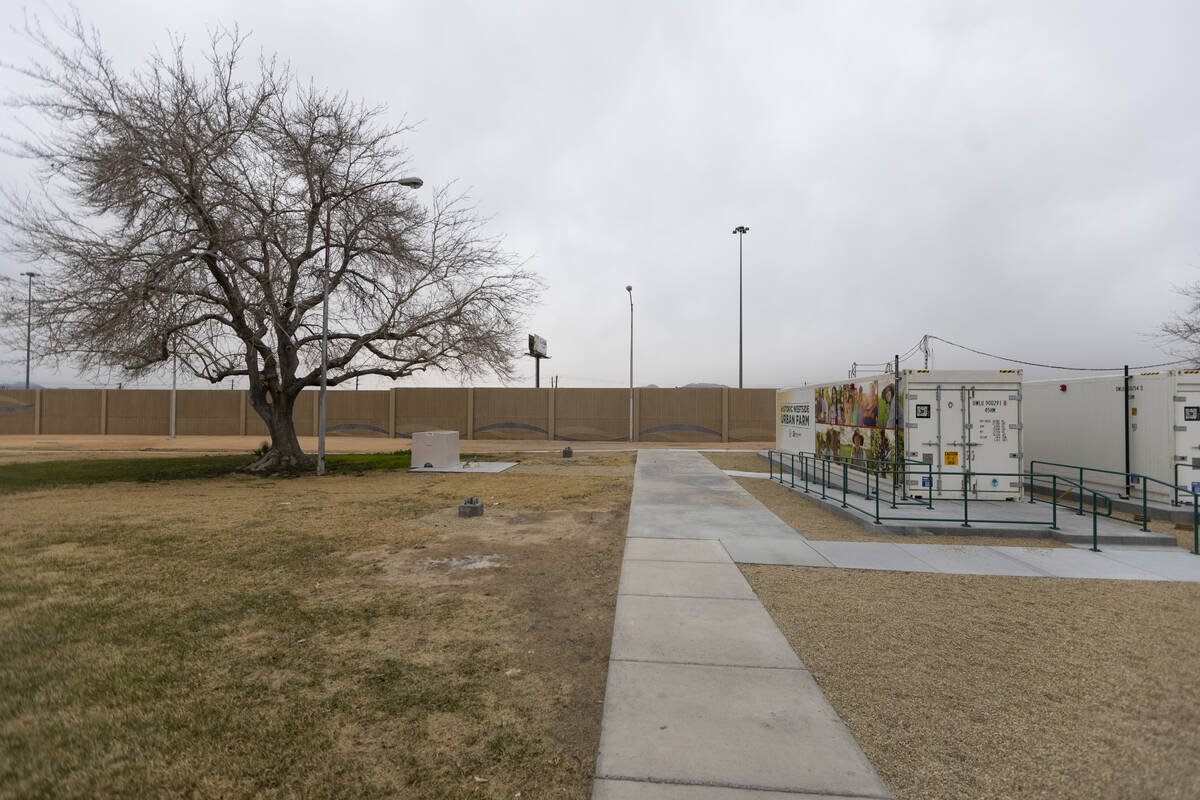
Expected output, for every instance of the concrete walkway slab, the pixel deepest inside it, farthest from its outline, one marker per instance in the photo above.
(703, 550)
(760, 550)
(686, 630)
(644, 790)
(736, 727)
(1072, 563)
(970, 560)
(711, 521)
(684, 579)
(1171, 566)
(871, 555)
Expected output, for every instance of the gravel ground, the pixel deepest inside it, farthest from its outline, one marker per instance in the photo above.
(995, 687)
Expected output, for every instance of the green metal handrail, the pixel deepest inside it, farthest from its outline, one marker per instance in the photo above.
(821, 464)
(1143, 480)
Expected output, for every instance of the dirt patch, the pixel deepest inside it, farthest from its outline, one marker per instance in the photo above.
(340, 636)
(745, 462)
(996, 687)
(818, 524)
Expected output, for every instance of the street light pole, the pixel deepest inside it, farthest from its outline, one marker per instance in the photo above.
(28, 323)
(630, 290)
(412, 183)
(740, 230)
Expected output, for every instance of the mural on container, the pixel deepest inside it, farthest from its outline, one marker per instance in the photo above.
(859, 422)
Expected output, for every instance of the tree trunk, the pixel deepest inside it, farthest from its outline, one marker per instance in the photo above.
(285, 452)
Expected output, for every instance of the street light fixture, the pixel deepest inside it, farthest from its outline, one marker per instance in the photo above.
(630, 290)
(28, 322)
(740, 230)
(411, 183)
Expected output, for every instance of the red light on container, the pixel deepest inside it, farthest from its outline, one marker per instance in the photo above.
(1062, 387)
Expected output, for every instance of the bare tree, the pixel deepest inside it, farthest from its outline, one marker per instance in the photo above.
(1184, 328)
(194, 212)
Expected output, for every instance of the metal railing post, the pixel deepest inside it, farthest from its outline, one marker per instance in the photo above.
(1081, 494)
(877, 496)
(1095, 539)
(966, 523)
(1053, 502)
(1195, 526)
(771, 464)
(824, 475)
(845, 476)
(1175, 498)
(1031, 463)
(1145, 515)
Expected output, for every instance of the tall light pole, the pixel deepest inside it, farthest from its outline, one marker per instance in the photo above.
(740, 230)
(28, 323)
(412, 183)
(630, 290)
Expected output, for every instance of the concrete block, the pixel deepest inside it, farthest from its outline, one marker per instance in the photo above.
(689, 630)
(437, 448)
(1175, 565)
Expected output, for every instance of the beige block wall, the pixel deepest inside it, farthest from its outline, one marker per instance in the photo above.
(421, 409)
(139, 411)
(670, 415)
(17, 411)
(512, 414)
(591, 414)
(361, 413)
(751, 415)
(679, 415)
(72, 411)
(207, 412)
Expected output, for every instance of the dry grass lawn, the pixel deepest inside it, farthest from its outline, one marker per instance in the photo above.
(335, 637)
(996, 687)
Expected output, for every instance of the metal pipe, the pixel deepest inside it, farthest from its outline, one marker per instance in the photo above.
(740, 230)
(1127, 481)
(28, 324)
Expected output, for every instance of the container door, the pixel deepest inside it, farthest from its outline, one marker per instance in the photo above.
(933, 435)
(922, 439)
(1187, 434)
(992, 450)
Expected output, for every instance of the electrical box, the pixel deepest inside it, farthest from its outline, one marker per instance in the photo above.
(438, 449)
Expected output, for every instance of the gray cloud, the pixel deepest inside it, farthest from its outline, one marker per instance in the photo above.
(1017, 176)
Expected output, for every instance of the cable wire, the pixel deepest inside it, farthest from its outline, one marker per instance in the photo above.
(1058, 366)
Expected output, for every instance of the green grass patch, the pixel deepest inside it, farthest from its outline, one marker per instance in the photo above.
(85, 472)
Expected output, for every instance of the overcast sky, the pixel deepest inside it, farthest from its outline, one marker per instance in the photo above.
(1021, 177)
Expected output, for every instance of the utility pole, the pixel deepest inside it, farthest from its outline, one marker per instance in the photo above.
(630, 290)
(740, 230)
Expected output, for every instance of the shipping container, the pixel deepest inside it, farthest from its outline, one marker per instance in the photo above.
(948, 421)
(1087, 422)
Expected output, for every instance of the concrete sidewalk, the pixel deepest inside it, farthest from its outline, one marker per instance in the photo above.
(706, 698)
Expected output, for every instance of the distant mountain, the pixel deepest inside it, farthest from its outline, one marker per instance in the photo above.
(19, 384)
(705, 386)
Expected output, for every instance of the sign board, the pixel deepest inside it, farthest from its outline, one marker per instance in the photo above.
(537, 346)
(951, 458)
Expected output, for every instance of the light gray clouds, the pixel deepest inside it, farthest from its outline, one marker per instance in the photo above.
(1018, 176)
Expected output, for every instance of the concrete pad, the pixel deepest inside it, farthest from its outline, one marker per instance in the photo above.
(871, 555)
(1072, 563)
(705, 550)
(684, 579)
(738, 473)
(694, 631)
(970, 560)
(1173, 565)
(471, 466)
(767, 729)
(643, 790)
(659, 521)
(760, 550)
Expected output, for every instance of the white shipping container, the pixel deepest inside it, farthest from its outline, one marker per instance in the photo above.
(951, 420)
(1082, 422)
